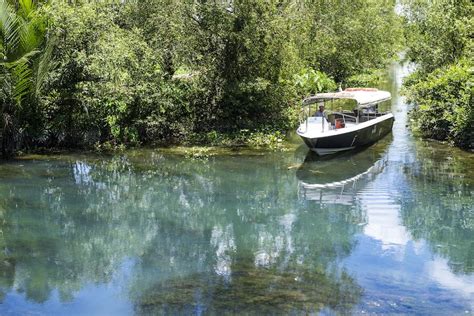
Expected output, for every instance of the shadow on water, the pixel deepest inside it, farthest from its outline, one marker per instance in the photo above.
(341, 166)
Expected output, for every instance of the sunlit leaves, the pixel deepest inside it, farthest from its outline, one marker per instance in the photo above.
(439, 38)
(241, 61)
(310, 81)
(438, 32)
(444, 104)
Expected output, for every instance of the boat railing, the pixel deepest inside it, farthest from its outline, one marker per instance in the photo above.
(370, 115)
(345, 115)
(305, 115)
(303, 118)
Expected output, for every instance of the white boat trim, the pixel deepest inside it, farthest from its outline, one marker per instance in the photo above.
(363, 96)
(316, 133)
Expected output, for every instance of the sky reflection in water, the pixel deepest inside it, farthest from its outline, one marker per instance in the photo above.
(384, 230)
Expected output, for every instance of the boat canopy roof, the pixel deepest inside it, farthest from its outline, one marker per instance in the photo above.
(363, 96)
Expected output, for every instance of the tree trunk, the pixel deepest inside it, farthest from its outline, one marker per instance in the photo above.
(9, 135)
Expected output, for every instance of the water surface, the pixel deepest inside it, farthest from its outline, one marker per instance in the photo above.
(387, 229)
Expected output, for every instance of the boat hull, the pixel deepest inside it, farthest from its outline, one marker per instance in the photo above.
(347, 140)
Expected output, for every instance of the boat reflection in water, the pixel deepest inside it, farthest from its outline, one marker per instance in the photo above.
(337, 180)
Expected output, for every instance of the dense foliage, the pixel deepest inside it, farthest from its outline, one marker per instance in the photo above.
(440, 41)
(106, 77)
(22, 71)
(445, 105)
(163, 71)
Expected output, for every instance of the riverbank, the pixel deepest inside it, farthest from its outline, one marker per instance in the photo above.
(203, 146)
(440, 43)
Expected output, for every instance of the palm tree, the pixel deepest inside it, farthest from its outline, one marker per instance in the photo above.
(22, 66)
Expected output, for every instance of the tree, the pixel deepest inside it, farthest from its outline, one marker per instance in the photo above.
(22, 68)
(439, 39)
(345, 38)
(116, 79)
(438, 33)
(107, 77)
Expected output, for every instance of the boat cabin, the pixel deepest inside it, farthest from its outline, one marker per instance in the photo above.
(342, 109)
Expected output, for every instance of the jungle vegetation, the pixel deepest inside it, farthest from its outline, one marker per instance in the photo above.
(440, 42)
(85, 74)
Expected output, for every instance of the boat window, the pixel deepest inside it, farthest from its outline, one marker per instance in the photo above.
(385, 106)
(341, 105)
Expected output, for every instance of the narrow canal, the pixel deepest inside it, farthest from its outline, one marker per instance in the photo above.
(389, 229)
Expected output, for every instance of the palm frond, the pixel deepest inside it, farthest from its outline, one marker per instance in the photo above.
(5, 86)
(26, 8)
(25, 57)
(45, 65)
(9, 27)
(22, 79)
(20, 76)
(29, 39)
(2, 52)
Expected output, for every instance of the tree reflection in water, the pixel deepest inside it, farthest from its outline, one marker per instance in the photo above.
(225, 233)
(228, 233)
(441, 210)
(438, 206)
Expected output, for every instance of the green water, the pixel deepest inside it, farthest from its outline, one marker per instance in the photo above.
(388, 229)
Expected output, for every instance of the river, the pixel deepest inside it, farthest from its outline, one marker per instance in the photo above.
(388, 229)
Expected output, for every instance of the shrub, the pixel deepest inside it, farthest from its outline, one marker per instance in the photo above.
(444, 104)
(369, 78)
